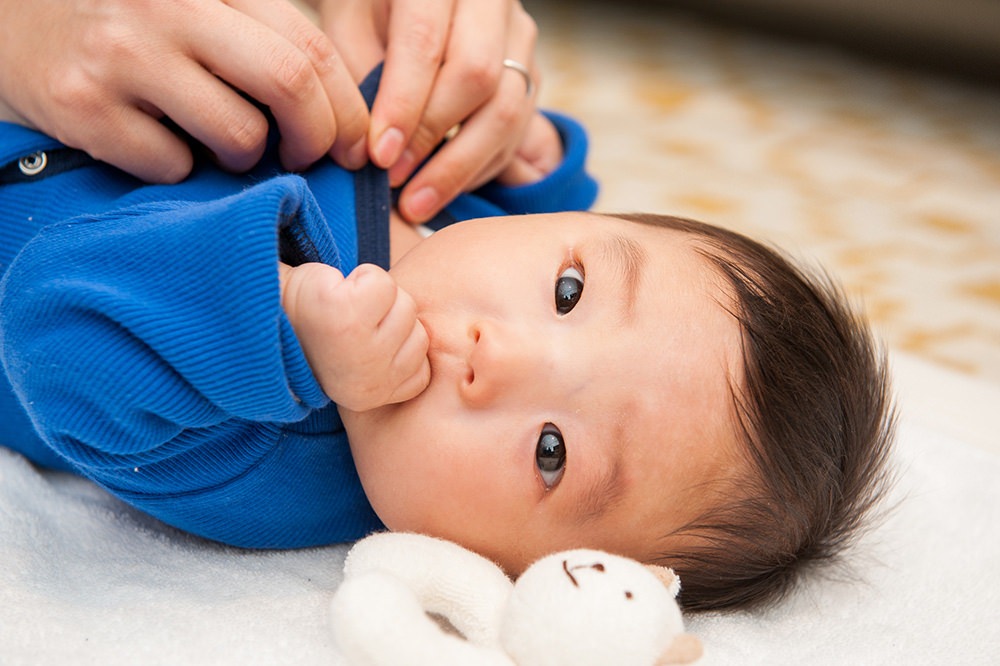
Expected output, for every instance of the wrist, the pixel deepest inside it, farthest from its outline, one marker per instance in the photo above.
(284, 278)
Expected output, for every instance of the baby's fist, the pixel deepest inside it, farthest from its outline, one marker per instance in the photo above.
(360, 334)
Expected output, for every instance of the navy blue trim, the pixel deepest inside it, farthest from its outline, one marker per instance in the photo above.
(58, 160)
(371, 197)
(371, 209)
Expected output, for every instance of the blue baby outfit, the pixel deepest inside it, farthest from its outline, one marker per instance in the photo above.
(145, 347)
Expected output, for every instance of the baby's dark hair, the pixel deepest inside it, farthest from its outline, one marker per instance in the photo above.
(816, 420)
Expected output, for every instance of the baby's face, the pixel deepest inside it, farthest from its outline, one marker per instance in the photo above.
(579, 395)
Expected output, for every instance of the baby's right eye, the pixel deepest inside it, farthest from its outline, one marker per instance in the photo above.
(550, 455)
(569, 288)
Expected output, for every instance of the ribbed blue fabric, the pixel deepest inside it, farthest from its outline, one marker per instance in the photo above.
(144, 345)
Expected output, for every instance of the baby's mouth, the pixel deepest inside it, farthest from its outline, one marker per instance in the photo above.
(446, 358)
(445, 364)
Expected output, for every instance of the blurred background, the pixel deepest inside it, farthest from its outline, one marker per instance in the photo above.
(863, 136)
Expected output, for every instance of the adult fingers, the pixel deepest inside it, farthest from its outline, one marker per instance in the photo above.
(132, 140)
(468, 78)
(116, 124)
(462, 165)
(277, 56)
(418, 32)
(80, 89)
(488, 138)
(349, 108)
(211, 112)
(358, 31)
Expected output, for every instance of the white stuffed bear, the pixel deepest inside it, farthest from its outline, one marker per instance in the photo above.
(576, 607)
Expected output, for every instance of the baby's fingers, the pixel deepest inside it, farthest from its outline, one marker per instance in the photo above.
(372, 293)
(411, 365)
(399, 338)
(402, 332)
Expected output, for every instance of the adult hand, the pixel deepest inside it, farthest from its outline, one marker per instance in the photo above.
(443, 66)
(100, 75)
(360, 334)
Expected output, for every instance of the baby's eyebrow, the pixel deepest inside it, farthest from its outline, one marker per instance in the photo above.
(603, 492)
(628, 258)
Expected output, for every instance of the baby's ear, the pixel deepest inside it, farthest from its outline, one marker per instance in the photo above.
(685, 649)
(666, 576)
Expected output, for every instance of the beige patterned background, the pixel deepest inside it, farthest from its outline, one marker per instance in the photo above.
(889, 178)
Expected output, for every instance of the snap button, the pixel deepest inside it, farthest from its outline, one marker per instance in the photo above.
(33, 164)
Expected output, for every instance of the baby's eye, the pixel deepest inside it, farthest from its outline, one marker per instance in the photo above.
(550, 455)
(569, 288)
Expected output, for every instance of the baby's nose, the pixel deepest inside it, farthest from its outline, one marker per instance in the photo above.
(506, 362)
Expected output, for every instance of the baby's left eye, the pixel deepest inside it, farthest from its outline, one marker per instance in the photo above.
(550, 455)
(569, 288)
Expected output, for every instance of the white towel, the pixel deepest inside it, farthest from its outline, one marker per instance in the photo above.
(87, 580)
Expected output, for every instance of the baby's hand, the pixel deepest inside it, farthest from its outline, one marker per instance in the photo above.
(540, 153)
(360, 334)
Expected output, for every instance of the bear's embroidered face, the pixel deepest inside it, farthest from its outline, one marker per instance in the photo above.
(590, 607)
(581, 369)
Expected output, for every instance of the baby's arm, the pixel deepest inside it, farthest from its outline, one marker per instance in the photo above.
(548, 174)
(150, 348)
(360, 334)
(540, 153)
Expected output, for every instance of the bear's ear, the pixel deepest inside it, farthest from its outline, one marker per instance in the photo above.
(666, 576)
(684, 649)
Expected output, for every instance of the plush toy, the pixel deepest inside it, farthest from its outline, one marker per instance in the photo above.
(575, 607)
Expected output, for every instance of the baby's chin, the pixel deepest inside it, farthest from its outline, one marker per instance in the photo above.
(365, 429)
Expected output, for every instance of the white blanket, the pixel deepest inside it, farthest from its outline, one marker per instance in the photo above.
(86, 580)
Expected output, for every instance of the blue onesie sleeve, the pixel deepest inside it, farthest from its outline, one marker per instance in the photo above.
(143, 335)
(567, 188)
(151, 351)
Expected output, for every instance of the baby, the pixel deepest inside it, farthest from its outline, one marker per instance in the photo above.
(645, 385)
(641, 384)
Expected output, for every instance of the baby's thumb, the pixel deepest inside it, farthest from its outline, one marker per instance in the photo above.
(304, 285)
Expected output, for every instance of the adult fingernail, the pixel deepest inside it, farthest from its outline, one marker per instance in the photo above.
(402, 169)
(423, 203)
(388, 147)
